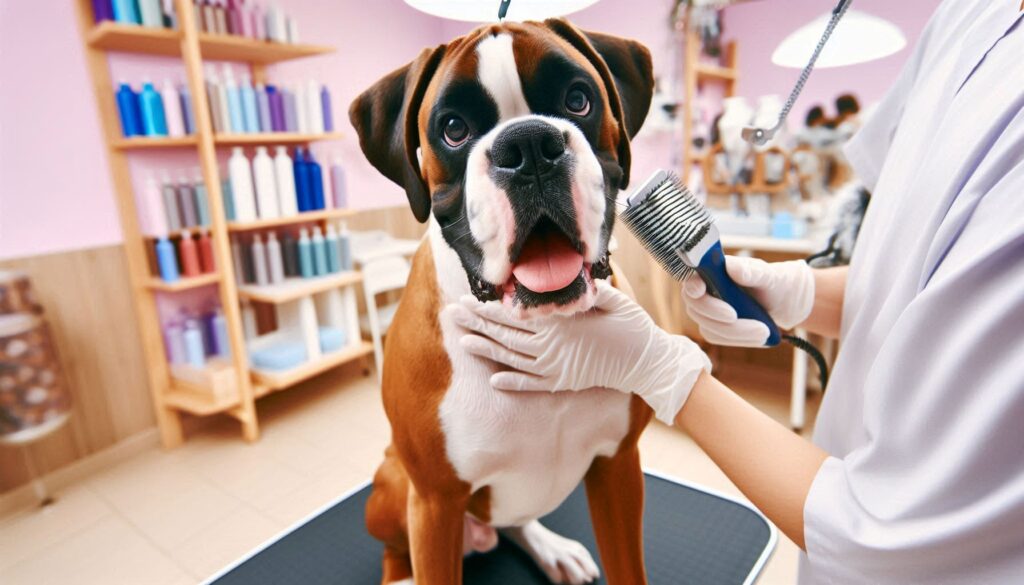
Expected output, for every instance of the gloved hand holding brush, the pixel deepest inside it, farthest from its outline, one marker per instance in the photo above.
(784, 289)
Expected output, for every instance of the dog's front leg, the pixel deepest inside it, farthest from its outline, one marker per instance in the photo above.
(435, 536)
(615, 492)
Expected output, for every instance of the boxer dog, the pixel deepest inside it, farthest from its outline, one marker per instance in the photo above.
(513, 142)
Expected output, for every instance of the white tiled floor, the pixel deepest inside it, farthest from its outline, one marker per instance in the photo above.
(172, 518)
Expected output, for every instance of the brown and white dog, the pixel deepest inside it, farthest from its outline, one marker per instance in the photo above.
(513, 141)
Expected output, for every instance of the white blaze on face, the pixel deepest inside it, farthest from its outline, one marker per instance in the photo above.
(489, 211)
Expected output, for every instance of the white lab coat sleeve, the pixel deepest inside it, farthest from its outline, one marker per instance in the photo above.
(869, 147)
(937, 490)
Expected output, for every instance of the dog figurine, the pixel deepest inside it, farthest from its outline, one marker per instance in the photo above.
(513, 142)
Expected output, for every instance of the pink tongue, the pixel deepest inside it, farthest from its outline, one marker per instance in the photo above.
(547, 263)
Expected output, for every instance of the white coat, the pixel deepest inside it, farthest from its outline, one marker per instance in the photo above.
(924, 417)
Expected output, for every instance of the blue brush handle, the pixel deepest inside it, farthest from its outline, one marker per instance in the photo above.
(712, 271)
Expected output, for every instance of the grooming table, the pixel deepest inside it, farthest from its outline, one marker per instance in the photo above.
(691, 535)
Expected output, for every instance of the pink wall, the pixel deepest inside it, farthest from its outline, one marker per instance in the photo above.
(761, 26)
(56, 192)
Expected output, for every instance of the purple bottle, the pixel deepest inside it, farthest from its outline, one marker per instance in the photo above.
(291, 115)
(276, 109)
(235, 18)
(102, 10)
(325, 103)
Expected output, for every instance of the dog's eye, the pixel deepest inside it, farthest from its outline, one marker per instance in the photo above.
(577, 102)
(456, 131)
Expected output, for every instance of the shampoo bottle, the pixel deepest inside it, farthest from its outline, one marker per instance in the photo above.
(227, 198)
(236, 261)
(235, 113)
(220, 16)
(325, 109)
(202, 207)
(344, 247)
(187, 203)
(206, 262)
(259, 261)
(175, 337)
(126, 11)
(302, 110)
(266, 189)
(129, 109)
(338, 184)
(290, 254)
(259, 28)
(276, 109)
(316, 181)
(155, 217)
(188, 116)
(291, 122)
(306, 269)
(190, 265)
(166, 260)
(319, 253)
(172, 109)
(209, 17)
(150, 13)
(235, 25)
(303, 193)
(293, 30)
(275, 264)
(250, 111)
(195, 353)
(170, 197)
(241, 186)
(284, 174)
(213, 97)
(263, 108)
(102, 10)
(153, 120)
(314, 108)
(331, 242)
(221, 342)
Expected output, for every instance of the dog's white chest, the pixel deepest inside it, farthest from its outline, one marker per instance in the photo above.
(531, 448)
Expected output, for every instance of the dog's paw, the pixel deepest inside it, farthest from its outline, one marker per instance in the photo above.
(564, 561)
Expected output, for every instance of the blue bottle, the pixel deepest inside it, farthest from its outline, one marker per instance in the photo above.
(235, 112)
(306, 269)
(316, 181)
(153, 120)
(202, 209)
(126, 11)
(250, 111)
(263, 107)
(221, 343)
(229, 199)
(325, 104)
(128, 108)
(303, 190)
(195, 352)
(166, 260)
(188, 116)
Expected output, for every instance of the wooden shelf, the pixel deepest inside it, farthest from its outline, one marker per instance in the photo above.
(181, 397)
(308, 216)
(716, 72)
(153, 142)
(181, 284)
(296, 288)
(266, 381)
(127, 38)
(269, 138)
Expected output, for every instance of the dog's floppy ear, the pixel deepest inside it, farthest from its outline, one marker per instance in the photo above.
(626, 70)
(385, 117)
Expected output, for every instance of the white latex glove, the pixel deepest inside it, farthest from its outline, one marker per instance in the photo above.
(617, 346)
(784, 289)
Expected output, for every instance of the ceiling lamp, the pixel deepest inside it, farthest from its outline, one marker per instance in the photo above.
(858, 38)
(487, 10)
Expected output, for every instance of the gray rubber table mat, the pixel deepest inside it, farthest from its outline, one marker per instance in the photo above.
(690, 536)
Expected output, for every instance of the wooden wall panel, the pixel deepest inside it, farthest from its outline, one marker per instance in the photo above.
(88, 306)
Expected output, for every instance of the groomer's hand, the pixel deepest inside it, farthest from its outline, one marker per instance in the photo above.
(616, 346)
(784, 289)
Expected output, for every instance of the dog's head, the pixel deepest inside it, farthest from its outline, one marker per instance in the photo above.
(516, 137)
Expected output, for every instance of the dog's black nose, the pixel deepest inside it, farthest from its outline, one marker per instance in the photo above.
(529, 148)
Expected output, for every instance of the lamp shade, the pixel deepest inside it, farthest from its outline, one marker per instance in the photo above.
(858, 38)
(487, 10)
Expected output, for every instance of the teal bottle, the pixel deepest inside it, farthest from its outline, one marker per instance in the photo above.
(153, 121)
(319, 253)
(306, 269)
(126, 11)
(229, 199)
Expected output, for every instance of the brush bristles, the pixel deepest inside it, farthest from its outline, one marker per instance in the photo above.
(668, 221)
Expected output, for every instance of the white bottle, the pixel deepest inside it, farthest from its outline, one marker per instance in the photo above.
(301, 107)
(280, 27)
(151, 14)
(274, 260)
(172, 109)
(155, 217)
(259, 261)
(223, 110)
(284, 172)
(293, 30)
(314, 108)
(266, 188)
(344, 247)
(241, 186)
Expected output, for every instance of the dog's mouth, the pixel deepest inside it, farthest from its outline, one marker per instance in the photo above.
(548, 272)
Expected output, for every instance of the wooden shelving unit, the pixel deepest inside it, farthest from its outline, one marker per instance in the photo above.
(696, 73)
(334, 294)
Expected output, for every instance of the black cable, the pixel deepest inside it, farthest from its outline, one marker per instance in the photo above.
(819, 359)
